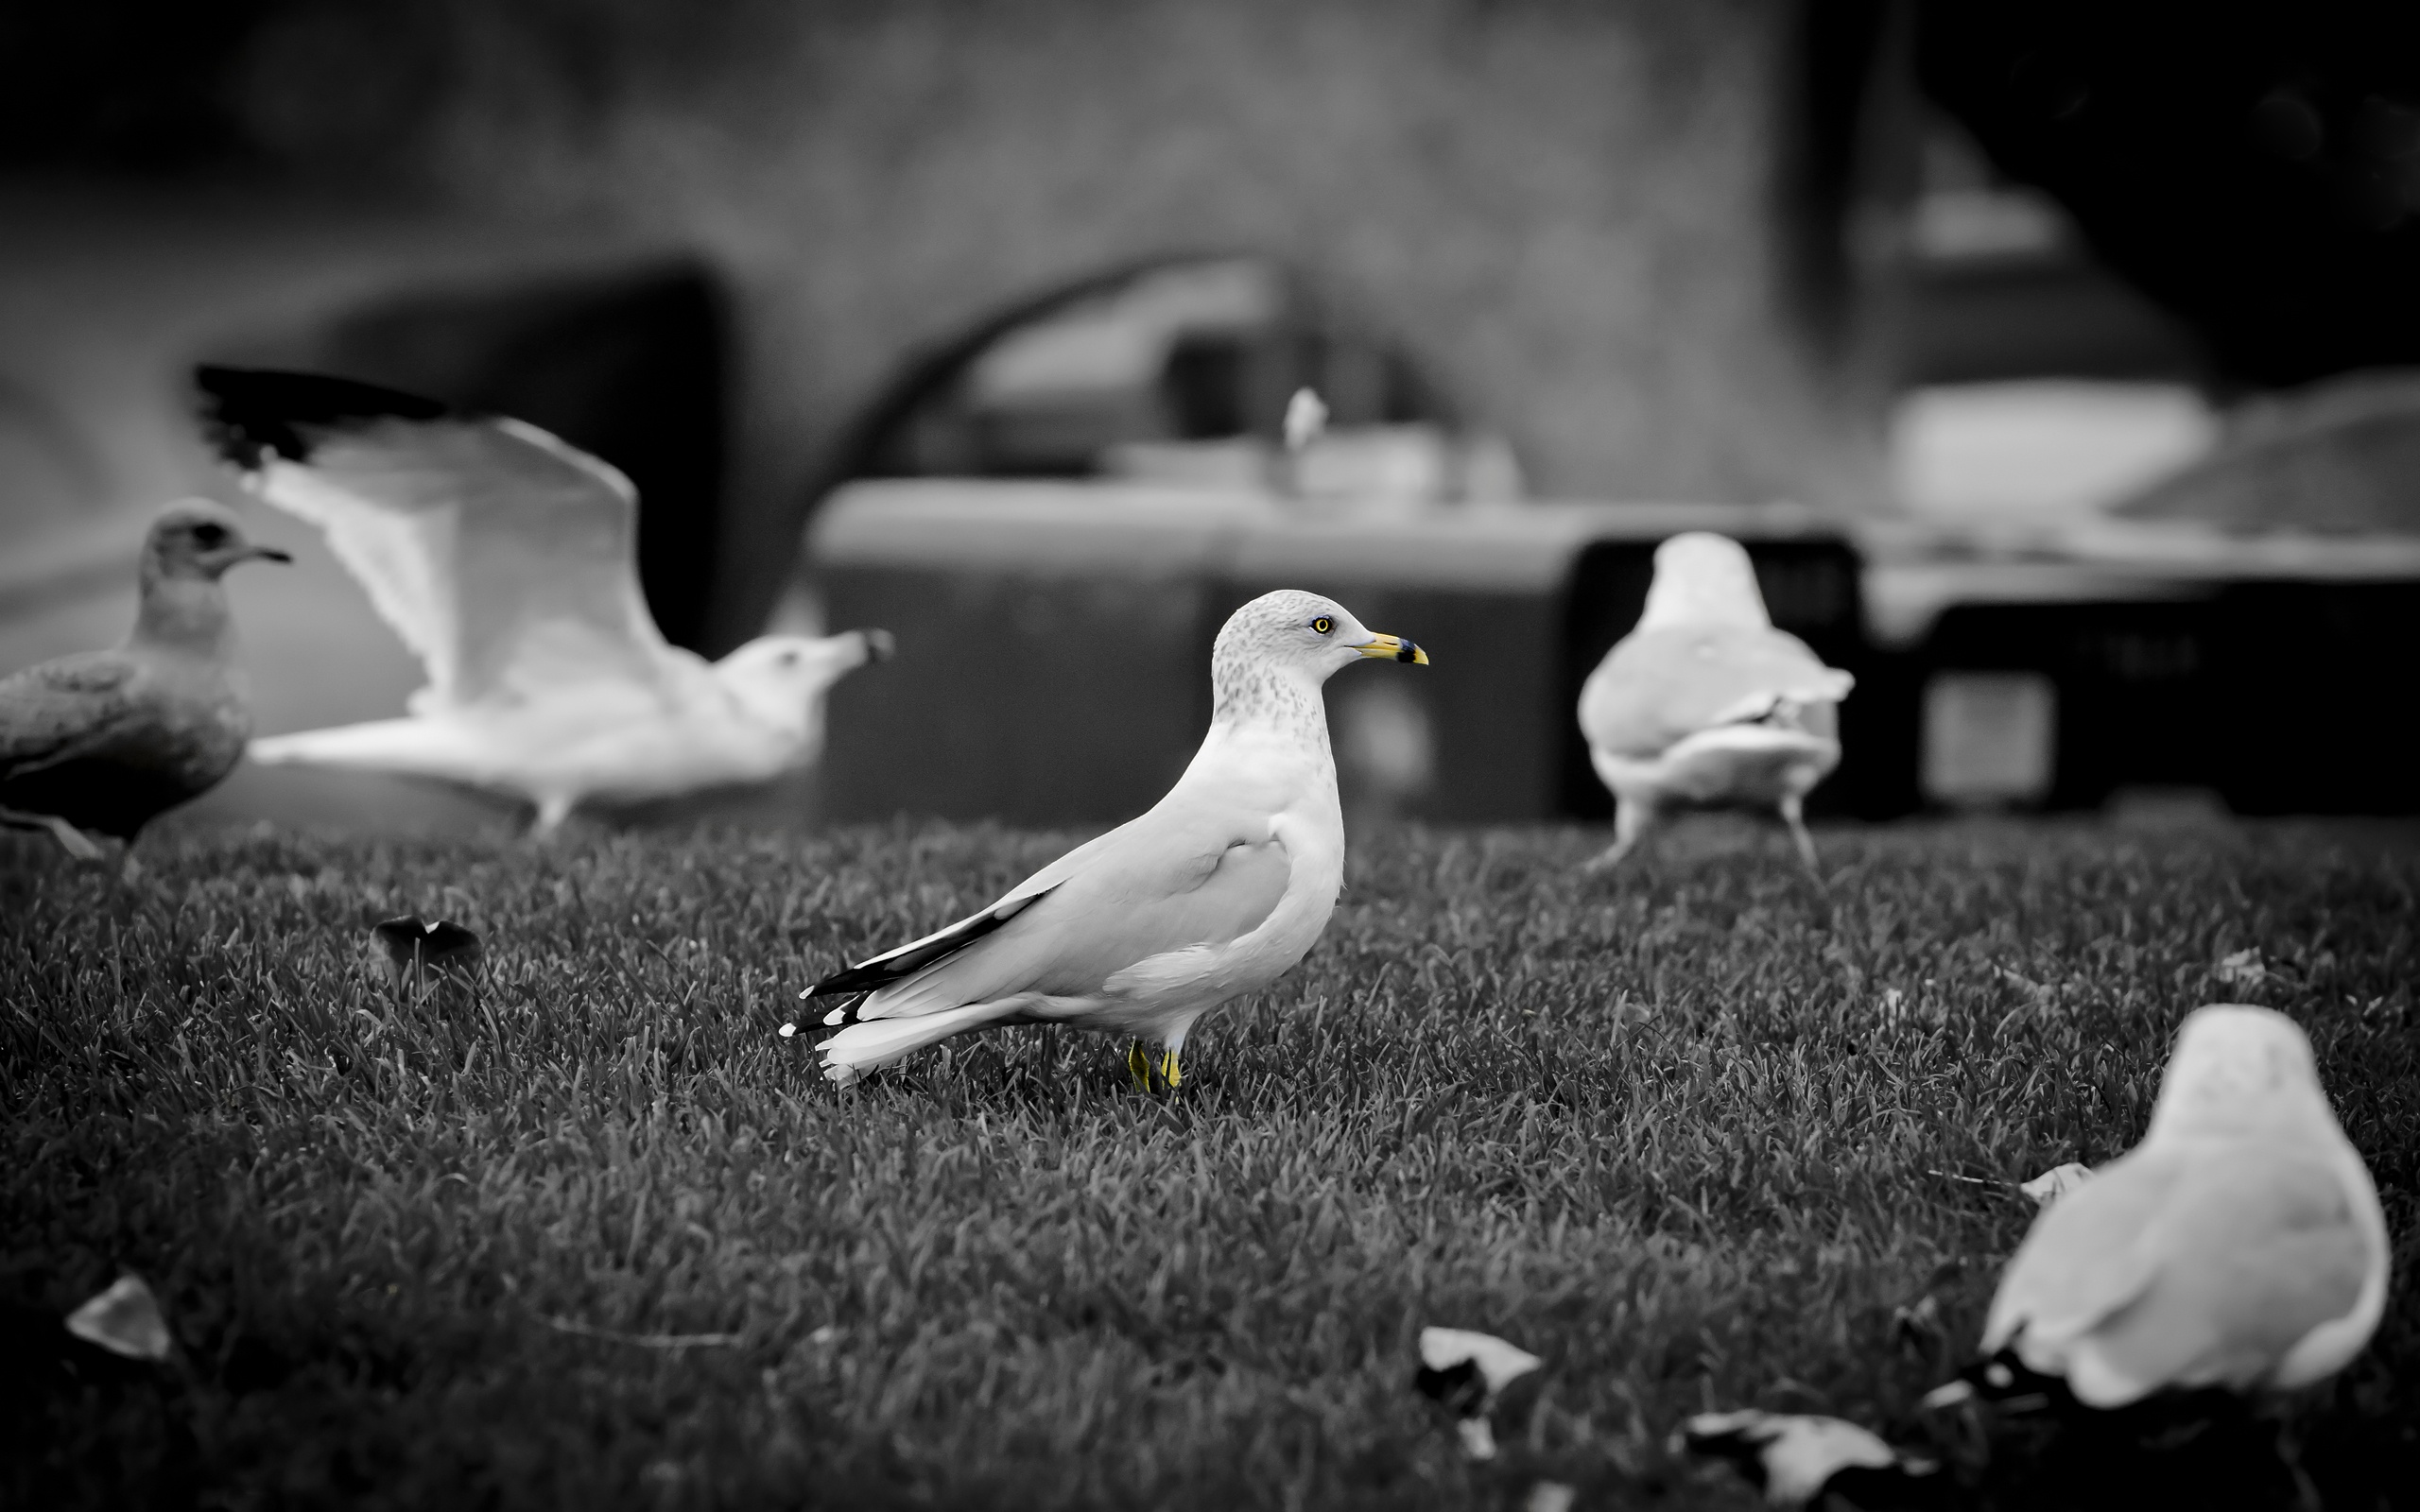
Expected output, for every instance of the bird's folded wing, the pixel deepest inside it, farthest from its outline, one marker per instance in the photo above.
(503, 558)
(1163, 882)
(2084, 1257)
(1659, 686)
(60, 710)
(2247, 1257)
(907, 960)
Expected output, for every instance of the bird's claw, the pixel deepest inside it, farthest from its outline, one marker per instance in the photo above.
(1145, 1071)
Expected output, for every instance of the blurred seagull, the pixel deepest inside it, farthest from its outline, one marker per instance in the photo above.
(1705, 704)
(2239, 1247)
(1216, 891)
(104, 741)
(504, 558)
(1800, 1460)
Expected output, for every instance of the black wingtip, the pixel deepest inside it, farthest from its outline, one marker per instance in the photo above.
(249, 413)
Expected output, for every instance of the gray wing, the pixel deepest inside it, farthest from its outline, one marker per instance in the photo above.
(1658, 686)
(60, 710)
(504, 558)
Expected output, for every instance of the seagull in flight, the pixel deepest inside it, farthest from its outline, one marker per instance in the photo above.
(505, 561)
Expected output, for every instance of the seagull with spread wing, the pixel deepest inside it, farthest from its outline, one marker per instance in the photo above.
(2239, 1247)
(1216, 891)
(104, 741)
(505, 561)
(1705, 704)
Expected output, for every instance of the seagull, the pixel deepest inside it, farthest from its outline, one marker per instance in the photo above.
(2239, 1248)
(1704, 704)
(1216, 891)
(504, 558)
(104, 741)
(1467, 1372)
(1798, 1460)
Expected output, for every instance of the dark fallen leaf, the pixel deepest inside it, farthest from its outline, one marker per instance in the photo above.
(420, 952)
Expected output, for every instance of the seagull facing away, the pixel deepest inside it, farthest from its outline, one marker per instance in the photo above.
(1216, 891)
(103, 741)
(1704, 704)
(2241, 1247)
(505, 560)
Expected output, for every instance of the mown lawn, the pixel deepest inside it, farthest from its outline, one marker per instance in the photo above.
(1693, 1134)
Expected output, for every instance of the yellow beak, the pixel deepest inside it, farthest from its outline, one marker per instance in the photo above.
(1393, 648)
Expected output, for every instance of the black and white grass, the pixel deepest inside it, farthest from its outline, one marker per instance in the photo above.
(1705, 704)
(1217, 891)
(505, 561)
(1798, 1460)
(103, 742)
(1480, 1378)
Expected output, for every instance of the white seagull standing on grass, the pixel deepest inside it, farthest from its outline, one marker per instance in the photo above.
(1216, 891)
(2239, 1247)
(1704, 704)
(505, 561)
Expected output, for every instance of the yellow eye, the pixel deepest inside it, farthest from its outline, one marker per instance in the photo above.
(1323, 625)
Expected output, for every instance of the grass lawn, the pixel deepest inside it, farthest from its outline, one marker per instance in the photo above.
(1692, 1133)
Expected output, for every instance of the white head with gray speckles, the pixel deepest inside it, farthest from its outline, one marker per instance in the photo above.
(1274, 653)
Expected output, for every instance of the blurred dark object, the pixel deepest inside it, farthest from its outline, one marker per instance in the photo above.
(2275, 693)
(2338, 457)
(1180, 350)
(429, 955)
(628, 365)
(2254, 168)
(1054, 640)
(124, 83)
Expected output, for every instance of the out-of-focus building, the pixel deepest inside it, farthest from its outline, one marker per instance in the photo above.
(1903, 277)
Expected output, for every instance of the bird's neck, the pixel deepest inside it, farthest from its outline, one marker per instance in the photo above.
(182, 614)
(1268, 699)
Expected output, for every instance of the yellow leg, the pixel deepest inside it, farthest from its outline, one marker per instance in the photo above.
(1138, 1066)
(1170, 1071)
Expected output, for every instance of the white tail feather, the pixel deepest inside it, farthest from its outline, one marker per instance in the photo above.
(862, 1047)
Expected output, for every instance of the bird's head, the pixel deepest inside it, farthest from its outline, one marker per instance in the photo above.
(1299, 637)
(196, 539)
(2240, 1069)
(782, 677)
(1702, 578)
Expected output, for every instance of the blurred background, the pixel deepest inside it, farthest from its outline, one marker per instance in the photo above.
(2059, 363)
